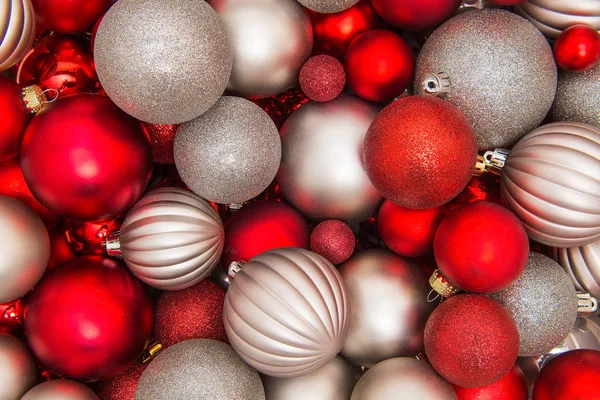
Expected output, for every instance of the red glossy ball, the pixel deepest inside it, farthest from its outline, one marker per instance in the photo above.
(69, 16)
(162, 138)
(334, 240)
(512, 386)
(481, 247)
(11, 317)
(379, 65)
(416, 15)
(59, 248)
(122, 386)
(471, 340)
(577, 48)
(89, 320)
(333, 33)
(84, 158)
(420, 151)
(262, 226)
(485, 187)
(406, 231)
(322, 78)
(87, 238)
(15, 118)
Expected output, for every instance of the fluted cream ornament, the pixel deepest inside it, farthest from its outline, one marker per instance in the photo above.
(287, 312)
(17, 31)
(170, 239)
(583, 266)
(60, 389)
(551, 17)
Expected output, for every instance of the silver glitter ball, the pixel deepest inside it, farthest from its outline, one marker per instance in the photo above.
(60, 389)
(543, 303)
(496, 67)
(583, 266)
(229, 154)
(578, 97)
(163, 61)
(199, 369)
(551, 17)
(19, 372)
(328, 6)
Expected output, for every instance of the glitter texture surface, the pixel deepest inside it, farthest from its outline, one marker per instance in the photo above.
(161, 140)
(322, 78)
(543, 303)
(334, 240)
(328, 6)
(501, 69)
(122, 386)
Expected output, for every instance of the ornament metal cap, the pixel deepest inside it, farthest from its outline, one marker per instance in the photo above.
(437, 84)
(440, 284)
(35, 98)
(113, 244)
(152, 351)
(234, 268)
(586, 304)
(491, 161)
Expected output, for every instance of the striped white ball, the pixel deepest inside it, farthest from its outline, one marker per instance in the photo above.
(553, 16)
(583, 266)
(17, 31)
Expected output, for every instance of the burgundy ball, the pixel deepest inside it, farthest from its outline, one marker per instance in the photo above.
(334, 240)
(322, 78)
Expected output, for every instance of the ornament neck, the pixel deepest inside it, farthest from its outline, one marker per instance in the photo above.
(35, 98)
(491, 161)
(436, 84)
(113, 244)
(586, 304)
(152, 351)
(441, 285)
(234, 268)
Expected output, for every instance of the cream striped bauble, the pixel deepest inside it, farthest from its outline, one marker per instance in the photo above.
(553, 16)
(17, 31)
(583, 266)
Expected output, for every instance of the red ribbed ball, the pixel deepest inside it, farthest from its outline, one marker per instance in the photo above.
(334, 240)
(322, 78)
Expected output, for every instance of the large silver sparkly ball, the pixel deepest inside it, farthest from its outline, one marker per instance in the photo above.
(163, 61)
(322, 172)
(551, 17)
(24, 249)
(543, 303)
(229, 154)
(550, 181)
(583, 266)
(271, 41)
(172, 239)
(334, 381)
(19, 371)
(287, 312)
(389, 307)
(328, 6)
(500, 69)
(60, 389)
(199, 369)
(402, 378)
(578, 96)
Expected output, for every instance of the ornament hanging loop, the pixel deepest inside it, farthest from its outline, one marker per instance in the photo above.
(436, 84)
(491, 161)
(586, 304)
(233, 269)
(53, 99)
(113, 244)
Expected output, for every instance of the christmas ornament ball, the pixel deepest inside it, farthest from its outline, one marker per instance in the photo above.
(17, 18)
(69, 16)
(416, 15)
(577, 49)
(329, 6)
(512, 386)
(322, 78)
(19, 372)
(552, 17)
(63, 389)
(334, 240)
(159, 64)
(15, 117)
(582, 264)
(122, 386)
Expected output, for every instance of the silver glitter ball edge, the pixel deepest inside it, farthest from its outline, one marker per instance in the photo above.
(328, 6)
(578, 97)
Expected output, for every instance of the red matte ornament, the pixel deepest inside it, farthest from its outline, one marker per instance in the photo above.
(512, 386)
(15, 118)
(577, 48)
(69, 16)
(334, 240)
(59, 248)
(416, 15)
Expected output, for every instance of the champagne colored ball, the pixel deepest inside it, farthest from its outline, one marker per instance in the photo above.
(17, 24)
(583, 266)
(19, 371)
(60, 389)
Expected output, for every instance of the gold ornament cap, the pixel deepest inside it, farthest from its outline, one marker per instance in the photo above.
(440, 284)
(152, 351)
(34, 98)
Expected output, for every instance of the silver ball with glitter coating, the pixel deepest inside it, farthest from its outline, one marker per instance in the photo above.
(543, 303)
(60, 389)
(199, 369)
(577, 97)
(328, 6)
(163, 61)
(229, 154)
(19, 371)
(583, 266)
(501, 72)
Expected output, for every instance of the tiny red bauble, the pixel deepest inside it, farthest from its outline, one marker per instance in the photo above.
(574, 375)
(69, 16)
(89, 319)
(577, 48)
(471, 340)
(420, 152)
(15, 118)
(322, 78)
(84, 158)
(481, 247)
(416, 15)
(513, 386)
(406, 231)
(333, 240)
(379, 65)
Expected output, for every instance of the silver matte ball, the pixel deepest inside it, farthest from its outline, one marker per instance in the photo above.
(402, 378)
(543, 303)
(229, 154)
(163, 61)
(334, 381)
(60, 389)
(271, 41)
(24, 249)
(328, 6)
(383, 328)
(19, 371)
(501, 71)
(551, 17)
(583, 266)
(322, 171)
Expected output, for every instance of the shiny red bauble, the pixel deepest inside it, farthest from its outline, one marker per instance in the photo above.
(481, 247)
(333, 240)
(261, 226)
(89, 319)
(513, 386)
(15, 118)
(406, 231)
(571, 375)
(416, 15)
(87, 238)
(577, 48)
(420, 151)
(11, 317)
(84, 158)
(69, 16)
(379, 65)
(333, 33)
(485, 187)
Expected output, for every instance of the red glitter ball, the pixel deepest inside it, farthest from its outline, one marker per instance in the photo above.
(322, 78)
(513, 386)
(161, 140)
(121, 387)
(471, 340)
(195, 312)
(334, 240)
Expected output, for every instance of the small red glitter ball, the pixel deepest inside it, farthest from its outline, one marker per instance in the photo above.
(577, 48)
(162, 138)
(513, 386)
(471, 340)
(334, 240)
(322, 78)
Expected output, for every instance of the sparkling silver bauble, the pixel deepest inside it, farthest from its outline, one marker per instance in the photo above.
(389, 307)
(171, 239)
(402, 378)
(578, 97)
(550, 181)
(287, 312)
(24, 249)
(19, 372)
(199, 369)
(551, 17)
(229, 154)
(583, 266)
(328, 6)
(17, 24)
(163, 61)
(334, 381)
(500, 71)
(322, 172)
(60, 389)
(543, 303)
(271, 41)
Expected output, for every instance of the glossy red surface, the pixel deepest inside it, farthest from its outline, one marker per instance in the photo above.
(416, 15)
(577, 48)
(69, 16)
(512, 386)
(15, 118)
